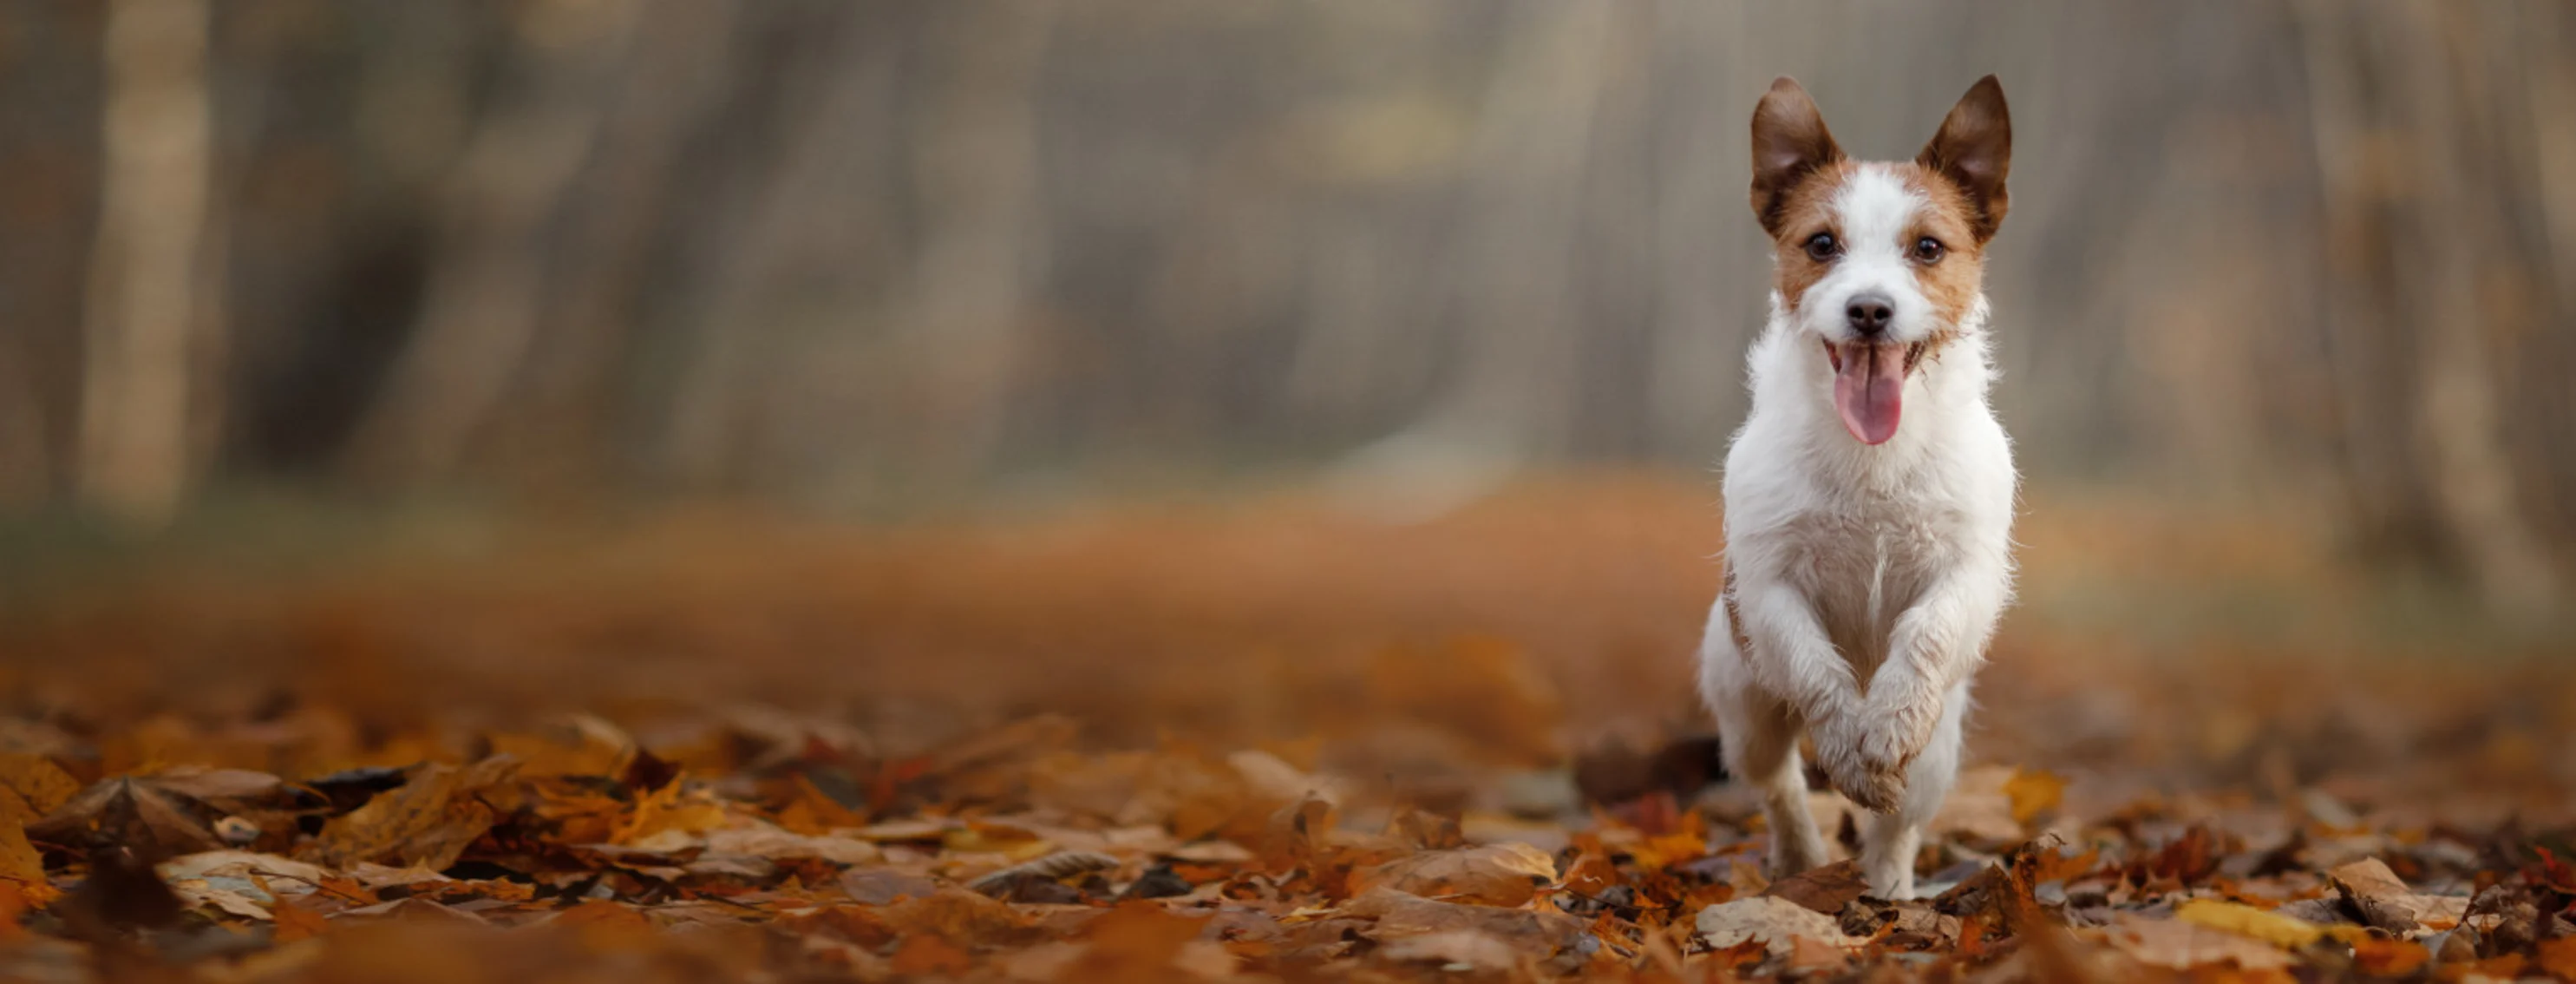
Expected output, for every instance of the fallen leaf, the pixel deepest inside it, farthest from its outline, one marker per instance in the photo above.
(1134, 941)
(1456, 950)
(20, 865)
(2033, 792)
(2271, 927)
(1775, 922)
(2380, 957)
(2385, 901)
(2557, 957)
(960, 916)
(133, 811)
(36, 782)
(1825, 890)
(294, 922)
(1398, 915)
(671, 808)
(427, 823)
(578, 745)
(2178, 945)
(1271, 777)
(1491, 874)
(926, 955)
(765, 841)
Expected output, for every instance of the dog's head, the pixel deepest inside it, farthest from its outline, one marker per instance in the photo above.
(1881, 262)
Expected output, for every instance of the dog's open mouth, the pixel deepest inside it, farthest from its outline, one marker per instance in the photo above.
(1869, 385)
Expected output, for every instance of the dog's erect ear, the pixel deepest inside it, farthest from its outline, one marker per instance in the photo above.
(1974, 149)
(1789, 142)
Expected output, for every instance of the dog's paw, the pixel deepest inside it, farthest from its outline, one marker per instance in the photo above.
(1844, 752)
(1889, 749)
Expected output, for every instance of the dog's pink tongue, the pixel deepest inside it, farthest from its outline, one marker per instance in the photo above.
(1870, 391)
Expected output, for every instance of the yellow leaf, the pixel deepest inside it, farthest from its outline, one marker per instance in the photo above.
(665, 809)
(38, 782)
(19, 861)
(2033, 792)
(2282, 931)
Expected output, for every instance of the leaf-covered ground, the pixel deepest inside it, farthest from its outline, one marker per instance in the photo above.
(1252, 741)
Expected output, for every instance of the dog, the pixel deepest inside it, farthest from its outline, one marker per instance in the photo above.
(1870, 493)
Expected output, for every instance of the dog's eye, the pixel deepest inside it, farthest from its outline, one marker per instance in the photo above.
(1928, 250)
(1822, 247)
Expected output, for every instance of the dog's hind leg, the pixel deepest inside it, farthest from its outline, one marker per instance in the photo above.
(1759, 737)
(1893, 839)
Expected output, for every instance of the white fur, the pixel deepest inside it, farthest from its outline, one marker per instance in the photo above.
(1869, 578)
(1875, 209)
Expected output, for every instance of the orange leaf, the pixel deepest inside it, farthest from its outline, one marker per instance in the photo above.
(2558, 957)
(295, 922)
(2398, 958)
(923, 956)
(20, 865)
(13, 904)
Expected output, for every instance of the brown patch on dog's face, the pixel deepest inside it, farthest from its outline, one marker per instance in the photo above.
(1949, 217)
(1806, 211)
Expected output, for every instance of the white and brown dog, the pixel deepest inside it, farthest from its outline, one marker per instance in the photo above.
(1869, 497)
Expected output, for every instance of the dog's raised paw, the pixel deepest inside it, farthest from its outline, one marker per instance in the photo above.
(1840, 752)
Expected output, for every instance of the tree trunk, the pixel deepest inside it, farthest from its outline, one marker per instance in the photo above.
(149, 310)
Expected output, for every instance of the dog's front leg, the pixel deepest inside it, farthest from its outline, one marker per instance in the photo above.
(1936, 644)
(1798, 664)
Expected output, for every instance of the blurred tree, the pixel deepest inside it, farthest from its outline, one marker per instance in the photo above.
(2436, 277)
(155, 287)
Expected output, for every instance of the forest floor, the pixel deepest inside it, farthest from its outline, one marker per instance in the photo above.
(1260, 739)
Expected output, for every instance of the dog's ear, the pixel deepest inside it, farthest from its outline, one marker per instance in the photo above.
(1789, 142)
(1974, 150)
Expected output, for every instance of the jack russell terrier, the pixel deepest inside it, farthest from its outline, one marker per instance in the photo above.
(1869, 497)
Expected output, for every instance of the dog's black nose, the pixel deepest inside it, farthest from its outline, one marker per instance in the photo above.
(1870, 314)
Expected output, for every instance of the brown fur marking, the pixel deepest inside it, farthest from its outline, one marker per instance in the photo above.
(1806, 210)
(1952, 284)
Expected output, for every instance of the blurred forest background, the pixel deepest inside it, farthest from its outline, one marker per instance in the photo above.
(869, 258)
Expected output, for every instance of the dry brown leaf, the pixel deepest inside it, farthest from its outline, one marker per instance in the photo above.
(578, 745)
(2385, 901)
(929, 956)
(427, 823)
(1456, 950)
(1272, 778)
(1399, 914)
(133, 811)
(960, 916)
(1775, 922)
(766, 841)
(1060, 864)
(1491, 874)
(1135, 941)
(1825, 889)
